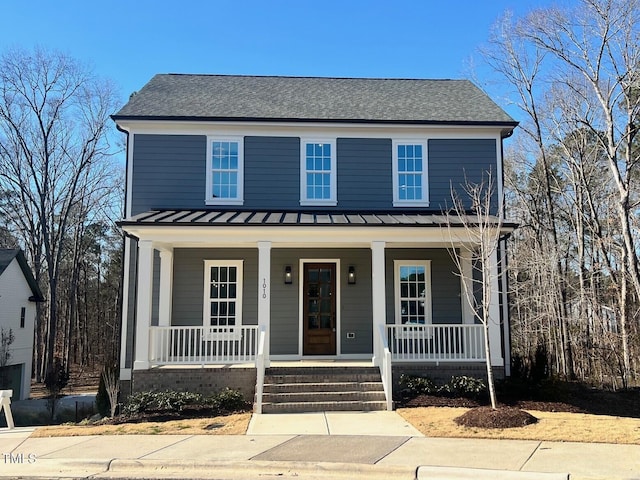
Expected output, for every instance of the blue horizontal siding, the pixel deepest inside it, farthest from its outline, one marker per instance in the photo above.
(271, 172)
(453, 162)
(168, 172)
(364, 173)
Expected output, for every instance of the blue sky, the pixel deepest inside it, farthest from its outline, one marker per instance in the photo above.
(130, 41)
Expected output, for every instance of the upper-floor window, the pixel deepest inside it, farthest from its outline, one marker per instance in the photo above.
(225, 171)
(23, 314)
(410, 174)
(318, 172)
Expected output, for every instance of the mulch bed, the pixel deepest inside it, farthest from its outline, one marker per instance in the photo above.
(564, 397)
(503, 417)
(190, 412)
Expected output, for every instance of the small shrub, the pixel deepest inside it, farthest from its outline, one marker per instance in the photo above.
(172, 401)
(464, 386)
(102, 399)
(415, 385)
(230, 400)
(138, 403)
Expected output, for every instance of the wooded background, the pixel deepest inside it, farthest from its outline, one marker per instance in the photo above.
(571, 74)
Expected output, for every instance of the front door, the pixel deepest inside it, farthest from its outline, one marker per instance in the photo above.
(319, 301)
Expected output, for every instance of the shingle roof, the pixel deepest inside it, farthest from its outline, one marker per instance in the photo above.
(284, 218)
(228, 97)
(7, 256)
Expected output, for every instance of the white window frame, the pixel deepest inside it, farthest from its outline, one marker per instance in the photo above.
(397, 202)
(333, 199)
(209, 198)
(206, 310)
(428, 312)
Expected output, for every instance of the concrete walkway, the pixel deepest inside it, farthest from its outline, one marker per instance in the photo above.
(376, 445)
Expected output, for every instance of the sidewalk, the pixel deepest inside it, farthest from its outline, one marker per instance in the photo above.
(375, 445)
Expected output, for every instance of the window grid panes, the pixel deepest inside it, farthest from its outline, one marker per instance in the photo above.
(223, 295)
(225, 169)
(410, 172)
(318, 171)
(412, 280)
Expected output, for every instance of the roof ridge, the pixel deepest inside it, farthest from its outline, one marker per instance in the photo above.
(313, 77)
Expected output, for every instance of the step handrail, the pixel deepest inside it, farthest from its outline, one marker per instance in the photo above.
(260, 368)
(386, 372)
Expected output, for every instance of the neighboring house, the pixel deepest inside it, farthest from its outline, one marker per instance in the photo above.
(18, 296)
(309, 209)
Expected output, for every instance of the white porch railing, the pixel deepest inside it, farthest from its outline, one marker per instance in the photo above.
(436, 343)
(203, 345)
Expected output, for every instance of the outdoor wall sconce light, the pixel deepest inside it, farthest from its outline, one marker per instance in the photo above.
(288, 276)
(351, 275)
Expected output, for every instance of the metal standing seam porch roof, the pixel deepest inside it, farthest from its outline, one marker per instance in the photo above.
(313, 99)
(238, 218)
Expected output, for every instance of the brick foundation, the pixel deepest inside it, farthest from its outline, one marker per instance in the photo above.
(206, 381)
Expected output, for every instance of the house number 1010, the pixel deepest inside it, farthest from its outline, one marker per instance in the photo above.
(264, 288)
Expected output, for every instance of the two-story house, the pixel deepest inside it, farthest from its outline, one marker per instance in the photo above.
(19, 294)
(288, 219)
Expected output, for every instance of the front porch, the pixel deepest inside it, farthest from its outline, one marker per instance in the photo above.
(341, 386)
(387, 294)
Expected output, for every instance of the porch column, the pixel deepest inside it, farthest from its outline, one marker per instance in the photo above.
(166, 286)
(379, 302)
(264, 293)
(143, 307)
(466, 285)
(495, 337)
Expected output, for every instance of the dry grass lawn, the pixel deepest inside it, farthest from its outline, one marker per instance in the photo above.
(431, 421)
(235, 424)
(551, 426)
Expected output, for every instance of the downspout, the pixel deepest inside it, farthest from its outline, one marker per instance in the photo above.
(503, 279)
(124, 274)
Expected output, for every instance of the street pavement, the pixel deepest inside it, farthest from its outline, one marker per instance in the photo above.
(331, 445)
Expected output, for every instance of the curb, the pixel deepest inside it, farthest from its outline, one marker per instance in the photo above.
(250, 469)
(454, 473)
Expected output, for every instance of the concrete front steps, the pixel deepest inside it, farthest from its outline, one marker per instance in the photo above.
(320, 389)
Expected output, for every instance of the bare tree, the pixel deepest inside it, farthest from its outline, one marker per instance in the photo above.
(575, 74)
(482, 227)
(54, 156)
(599, 42)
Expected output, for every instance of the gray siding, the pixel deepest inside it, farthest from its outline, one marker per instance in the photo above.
(131, 302)
(285, 325)
(168, 172)
(445, 284)
(355, 300)
(364, 173)
(452, 162)
(188, 283)
(271, 172)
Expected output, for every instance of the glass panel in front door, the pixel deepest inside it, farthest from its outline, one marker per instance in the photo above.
(319, 299)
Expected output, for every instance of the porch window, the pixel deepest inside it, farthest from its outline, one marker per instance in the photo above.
(318, 172)
(410, 174)
(225, 171)
(222, 294)
(413, 292)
